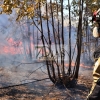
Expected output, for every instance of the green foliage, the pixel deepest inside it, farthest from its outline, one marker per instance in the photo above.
(29, 8)
(90, 5)
(23, 7)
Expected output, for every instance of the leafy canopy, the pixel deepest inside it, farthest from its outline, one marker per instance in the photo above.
(23, 7)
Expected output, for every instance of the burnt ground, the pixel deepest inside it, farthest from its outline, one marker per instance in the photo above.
(45, 90)
(38, 89)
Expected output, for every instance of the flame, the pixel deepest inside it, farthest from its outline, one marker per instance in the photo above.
(10, 40)
(10, 50)
(14, 43)
(72, 64)
(81, 65)
(85, 66)
(13, 47)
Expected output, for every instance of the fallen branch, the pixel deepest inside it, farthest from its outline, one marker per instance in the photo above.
(22, 83)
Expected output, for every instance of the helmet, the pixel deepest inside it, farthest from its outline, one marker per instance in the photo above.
(94, 13)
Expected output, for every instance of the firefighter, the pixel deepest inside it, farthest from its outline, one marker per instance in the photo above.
(96, 19)
(95, 89)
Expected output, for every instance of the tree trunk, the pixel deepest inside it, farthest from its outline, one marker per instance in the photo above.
(79, 40)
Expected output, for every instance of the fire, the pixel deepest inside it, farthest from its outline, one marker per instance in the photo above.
(10, 50)
(15, 47)
(14, 43)
(12, 47)
(72, 64)
(85, 66)
(81, 65)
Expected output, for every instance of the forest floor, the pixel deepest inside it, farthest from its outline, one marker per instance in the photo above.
(45, 90)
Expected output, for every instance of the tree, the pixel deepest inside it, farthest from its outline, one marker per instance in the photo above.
(31, 10)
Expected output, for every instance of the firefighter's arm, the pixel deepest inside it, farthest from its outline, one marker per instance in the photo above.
(98, 10)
